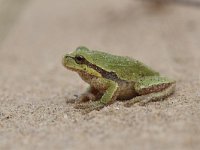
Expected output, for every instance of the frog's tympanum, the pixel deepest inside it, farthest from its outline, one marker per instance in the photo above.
(114, 77)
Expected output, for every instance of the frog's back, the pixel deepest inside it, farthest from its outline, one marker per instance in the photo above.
(125, 68)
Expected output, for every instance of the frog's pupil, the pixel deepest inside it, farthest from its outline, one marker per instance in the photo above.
(79, 59)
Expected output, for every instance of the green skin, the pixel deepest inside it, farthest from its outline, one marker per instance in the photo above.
(115, 77)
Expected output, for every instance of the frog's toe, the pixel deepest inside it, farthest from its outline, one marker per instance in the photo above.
(131, 102)
(89, 106)
(81, 105)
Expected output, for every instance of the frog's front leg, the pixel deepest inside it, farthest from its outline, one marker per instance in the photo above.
(152, 89)
(109, 96)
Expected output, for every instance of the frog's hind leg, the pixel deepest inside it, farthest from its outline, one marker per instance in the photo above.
(160, 89)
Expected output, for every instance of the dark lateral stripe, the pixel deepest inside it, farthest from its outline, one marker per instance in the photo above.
(104, 73)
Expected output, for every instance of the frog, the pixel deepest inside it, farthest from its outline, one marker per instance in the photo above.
(112, 77)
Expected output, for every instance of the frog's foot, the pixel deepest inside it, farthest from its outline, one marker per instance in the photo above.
(141, 100)
(144, 99)
(108, 97)
(83, 98)
(90, 106)
(133, 101)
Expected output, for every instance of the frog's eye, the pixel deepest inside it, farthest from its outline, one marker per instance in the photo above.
(79, 59)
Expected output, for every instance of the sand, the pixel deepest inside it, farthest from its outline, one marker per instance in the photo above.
(35, 86)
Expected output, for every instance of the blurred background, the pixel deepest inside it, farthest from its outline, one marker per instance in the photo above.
(35, 34)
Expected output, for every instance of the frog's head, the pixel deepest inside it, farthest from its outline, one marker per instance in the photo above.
(78, 61)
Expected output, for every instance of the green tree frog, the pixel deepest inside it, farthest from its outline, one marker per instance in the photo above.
(114, 77)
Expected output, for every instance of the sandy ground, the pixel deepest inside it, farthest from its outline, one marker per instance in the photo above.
(34, 86)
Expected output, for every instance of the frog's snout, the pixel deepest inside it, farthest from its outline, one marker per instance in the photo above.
(64, 60)
(67, 60)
